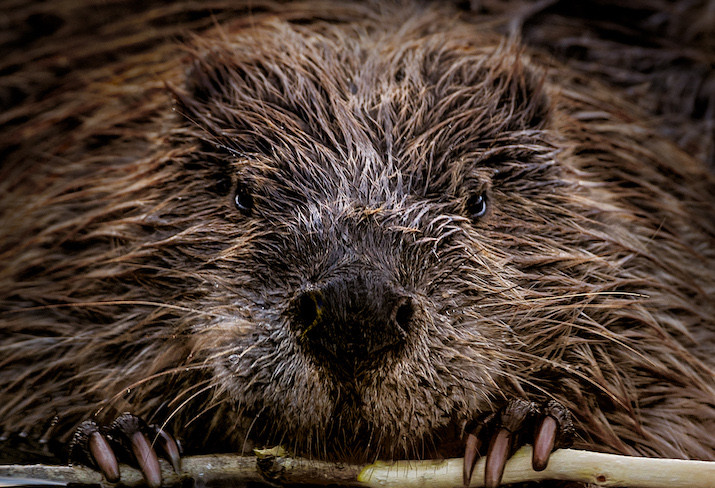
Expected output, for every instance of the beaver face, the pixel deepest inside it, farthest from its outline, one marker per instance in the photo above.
(383, 203)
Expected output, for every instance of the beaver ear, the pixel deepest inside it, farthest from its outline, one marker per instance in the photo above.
(520, 92)
(248, 106)
(500, 90)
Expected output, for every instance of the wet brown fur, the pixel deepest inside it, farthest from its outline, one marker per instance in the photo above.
(130, 281)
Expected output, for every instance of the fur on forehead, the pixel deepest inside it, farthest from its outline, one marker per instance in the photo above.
(299, 98)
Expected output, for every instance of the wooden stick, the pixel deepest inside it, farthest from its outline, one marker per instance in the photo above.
(565, 464)
(275, 466)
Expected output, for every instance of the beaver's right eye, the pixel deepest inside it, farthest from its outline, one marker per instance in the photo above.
(477, 206)
(243, 199)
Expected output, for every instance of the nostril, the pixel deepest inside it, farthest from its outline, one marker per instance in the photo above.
(350, 325)
(404, 314)
(308, 308)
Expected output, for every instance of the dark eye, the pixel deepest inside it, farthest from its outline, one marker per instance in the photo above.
(243, 199)
(477, 206)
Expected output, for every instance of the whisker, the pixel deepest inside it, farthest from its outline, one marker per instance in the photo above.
(579, 374)
(522, 301)
(588, 294)
(114, 302)
(182, 405)
(176, 370)
(213, 404)
(250, 428)
(189, 389)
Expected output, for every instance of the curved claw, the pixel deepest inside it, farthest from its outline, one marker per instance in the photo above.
(147, 459)
(89, 446)
(549, 426)
(126, 439)
(544, 443)
(170, 448)
(103, 455)
(499, 450)
(470, 458)
(130, 432)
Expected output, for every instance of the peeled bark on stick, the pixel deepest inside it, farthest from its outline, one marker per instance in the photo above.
(274, 466)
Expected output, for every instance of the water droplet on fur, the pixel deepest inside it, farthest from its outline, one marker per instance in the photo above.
(233, 358)
(129, 390)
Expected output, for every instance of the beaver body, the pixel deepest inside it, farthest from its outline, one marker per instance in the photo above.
(349, 229)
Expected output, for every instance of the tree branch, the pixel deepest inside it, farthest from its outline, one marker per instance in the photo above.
(273, 465)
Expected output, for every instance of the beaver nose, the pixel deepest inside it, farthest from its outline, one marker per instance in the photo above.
(350, 324)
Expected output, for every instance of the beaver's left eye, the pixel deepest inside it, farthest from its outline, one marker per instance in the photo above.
(477, 206)
(243, 199)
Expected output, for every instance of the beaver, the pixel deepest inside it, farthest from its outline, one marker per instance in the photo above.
(359, 230)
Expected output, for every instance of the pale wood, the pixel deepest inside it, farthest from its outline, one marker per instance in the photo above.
(275, 466)
(565, 464)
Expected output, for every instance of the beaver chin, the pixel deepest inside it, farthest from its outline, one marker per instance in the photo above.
(400, 402)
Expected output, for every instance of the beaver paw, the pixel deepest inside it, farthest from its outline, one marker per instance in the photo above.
(520, 422)
(127, 438)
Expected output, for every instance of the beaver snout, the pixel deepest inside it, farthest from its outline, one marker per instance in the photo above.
(350, 323)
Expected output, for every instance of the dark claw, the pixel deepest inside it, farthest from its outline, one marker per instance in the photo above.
(555, 430)
(499, 451)
(471, 452)
(126, 439)
(147, 459)
(544, 443)
(104, 456)
(169, 448)
(89, 446)
(513, 418)
(130, 431)
(474, 442)
(502, 433)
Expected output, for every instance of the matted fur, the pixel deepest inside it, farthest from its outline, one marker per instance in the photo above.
(131, 282)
